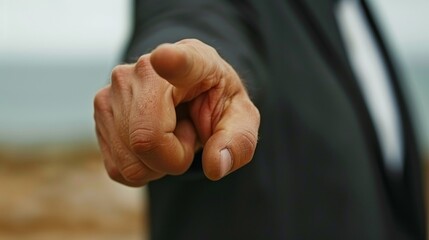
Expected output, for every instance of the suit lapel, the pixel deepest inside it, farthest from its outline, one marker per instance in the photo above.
(405, 194)
(318, 19)
(408, 190)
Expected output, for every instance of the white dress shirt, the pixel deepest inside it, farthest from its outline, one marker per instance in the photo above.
(373, 79)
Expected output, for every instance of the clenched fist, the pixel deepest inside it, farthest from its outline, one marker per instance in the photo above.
(158, 112)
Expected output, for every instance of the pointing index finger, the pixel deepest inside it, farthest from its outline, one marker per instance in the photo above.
(187, 63)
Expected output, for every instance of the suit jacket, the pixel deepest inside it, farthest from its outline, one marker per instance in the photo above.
(317, 172)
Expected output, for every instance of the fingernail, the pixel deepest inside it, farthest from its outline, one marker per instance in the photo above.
(225, 162)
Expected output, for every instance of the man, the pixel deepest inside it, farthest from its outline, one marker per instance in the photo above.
(327, 165)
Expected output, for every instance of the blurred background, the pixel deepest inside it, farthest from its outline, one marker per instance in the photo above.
(54, 56)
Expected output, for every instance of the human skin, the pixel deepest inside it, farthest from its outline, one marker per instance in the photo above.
(158, 112)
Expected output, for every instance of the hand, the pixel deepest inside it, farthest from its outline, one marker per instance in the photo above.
(157, 112)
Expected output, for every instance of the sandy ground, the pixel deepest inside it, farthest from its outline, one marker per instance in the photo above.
(57, 192)
(65, 194)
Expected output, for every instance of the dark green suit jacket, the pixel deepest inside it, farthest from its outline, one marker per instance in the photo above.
(318, 171)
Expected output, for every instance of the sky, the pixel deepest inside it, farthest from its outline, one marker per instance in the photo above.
(55, 55)
(63, 29)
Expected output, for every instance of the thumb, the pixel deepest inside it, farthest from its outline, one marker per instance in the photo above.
(233, 142)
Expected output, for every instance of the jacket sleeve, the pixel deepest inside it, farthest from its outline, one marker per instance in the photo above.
(230, 26)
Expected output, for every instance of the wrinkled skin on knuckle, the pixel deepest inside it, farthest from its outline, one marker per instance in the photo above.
(134, 173)
(143, 140)
(171, 162)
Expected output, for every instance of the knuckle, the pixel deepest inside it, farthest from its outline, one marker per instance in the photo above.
(143, 140)
(143, 66)
(101, 101)
(134, 173)
(213, 50)
(120, 77)
(190, 41)
(249, 107)
(113, 172)
(199, 45)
